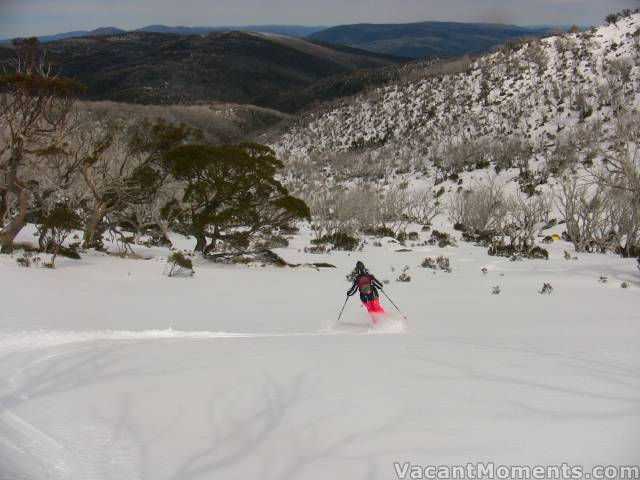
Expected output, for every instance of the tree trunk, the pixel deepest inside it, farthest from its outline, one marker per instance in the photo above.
(201, 242)
(17, 223)
(90, 231)
(209, 248)
(42, 241)
(165, 231)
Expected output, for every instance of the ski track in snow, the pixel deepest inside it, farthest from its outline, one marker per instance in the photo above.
(45, 338)
(54, 459)
(61, 462)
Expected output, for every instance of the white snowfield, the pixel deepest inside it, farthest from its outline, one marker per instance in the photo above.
(111, 371)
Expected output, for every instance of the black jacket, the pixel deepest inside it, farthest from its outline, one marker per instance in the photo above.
(365, 278)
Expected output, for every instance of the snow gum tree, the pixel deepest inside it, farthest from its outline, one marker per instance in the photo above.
(230, 195)
(121, 167)
(36, 109)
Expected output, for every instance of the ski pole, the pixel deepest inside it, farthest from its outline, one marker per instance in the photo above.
(392, 303)
(345, 304)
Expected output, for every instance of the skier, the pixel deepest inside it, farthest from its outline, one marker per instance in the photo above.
(368, 286)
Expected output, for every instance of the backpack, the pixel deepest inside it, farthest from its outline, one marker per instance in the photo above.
(365, 285)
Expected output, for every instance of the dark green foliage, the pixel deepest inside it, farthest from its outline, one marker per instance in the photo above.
(501, 250)
(429, 262)
(61, 217)
(510, 251)
(340, 241)
(612, 18)
(480, 237)
(441, 239)
(538, 253)
(444, 263)
(288, 230)
(459, 227)
(230, 195)
(410, 236)
(440, 262)
(38, 86)
(69, 252)
(179, 265)
(413, 236)
(629, 252)
(272, 241)
(379, 232)
(54, 226)
(179, 259)
(24, 261)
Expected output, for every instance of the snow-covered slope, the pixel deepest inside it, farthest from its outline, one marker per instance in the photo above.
(539, 92)
(111, 371)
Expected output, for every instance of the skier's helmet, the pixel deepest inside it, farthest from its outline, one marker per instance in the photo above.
(360, 268)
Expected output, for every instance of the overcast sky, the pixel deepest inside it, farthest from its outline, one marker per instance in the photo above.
(40, 17)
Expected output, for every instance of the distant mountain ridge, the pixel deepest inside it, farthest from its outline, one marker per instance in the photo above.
(161, 68)
(75, 34)
(288, 30)
(425, 39)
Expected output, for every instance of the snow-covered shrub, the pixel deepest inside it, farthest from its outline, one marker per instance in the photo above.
(271, 241)
(444, 263)
(502, 250)
(54, 225)
(441, 239)
(423, 207)
(178, 265)
(479, 209)
(510, 153)
(339, 241)
(612, 18)
(547, 289)
(404, 276)
(441, 262)
(24, 260)
(316, 249)
(413, 236)
(624, 285)
(345, 210)
(603, 279)
(538, 253)
(496, 290)
(563, 157)
(379, 232)
(585, 207)
(484, 239)
(429, 262)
